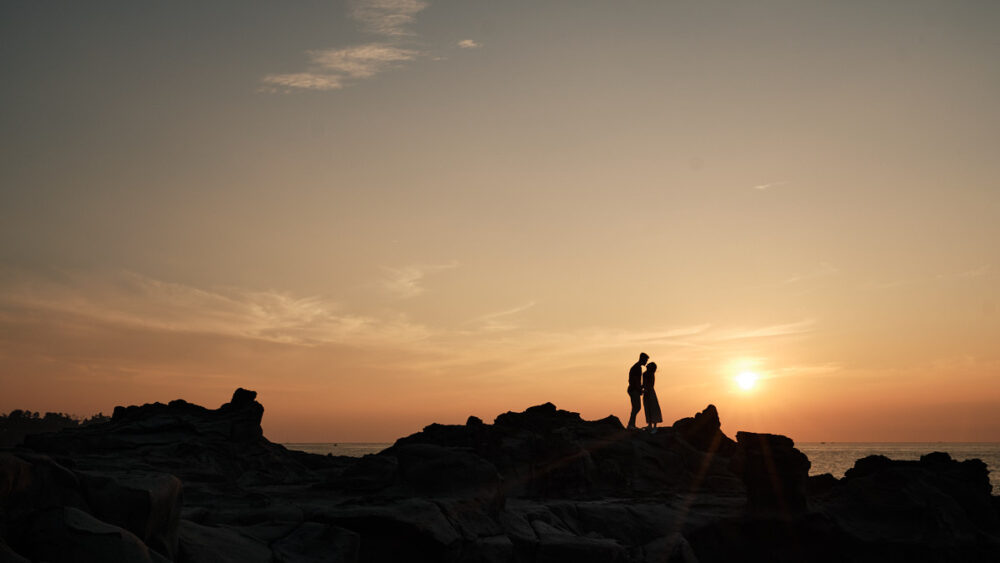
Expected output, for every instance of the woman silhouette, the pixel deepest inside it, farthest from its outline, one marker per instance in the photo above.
(650, 404)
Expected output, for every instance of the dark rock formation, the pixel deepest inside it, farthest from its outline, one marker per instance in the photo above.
(184, 483)
(703, 431)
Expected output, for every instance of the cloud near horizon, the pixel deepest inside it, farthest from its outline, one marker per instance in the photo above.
(128, 299)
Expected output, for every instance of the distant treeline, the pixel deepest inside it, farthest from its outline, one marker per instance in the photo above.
(17, 424)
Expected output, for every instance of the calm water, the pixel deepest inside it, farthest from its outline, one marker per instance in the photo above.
(826, 457)
(352, 449)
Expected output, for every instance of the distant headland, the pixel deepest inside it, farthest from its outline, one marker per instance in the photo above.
(180, 482)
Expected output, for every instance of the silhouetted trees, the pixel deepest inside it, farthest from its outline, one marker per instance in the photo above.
(18, 423)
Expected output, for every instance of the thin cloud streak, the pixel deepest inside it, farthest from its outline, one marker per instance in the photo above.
(303, 81)
(967, 274)
(769, 185)
(469, 44)
(770, 331)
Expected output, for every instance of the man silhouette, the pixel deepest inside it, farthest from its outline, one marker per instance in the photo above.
(635, 388)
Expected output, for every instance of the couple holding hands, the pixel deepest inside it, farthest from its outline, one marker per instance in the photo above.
(642, 394)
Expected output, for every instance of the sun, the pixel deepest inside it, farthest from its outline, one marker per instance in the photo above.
(747, 380)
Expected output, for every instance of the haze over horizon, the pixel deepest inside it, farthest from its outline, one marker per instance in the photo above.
(385, 213)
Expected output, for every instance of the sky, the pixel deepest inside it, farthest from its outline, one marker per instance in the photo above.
(380, 214)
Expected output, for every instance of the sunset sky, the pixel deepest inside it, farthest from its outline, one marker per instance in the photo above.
(386, 213)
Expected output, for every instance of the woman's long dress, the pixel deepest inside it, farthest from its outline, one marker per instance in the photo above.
(650, 404)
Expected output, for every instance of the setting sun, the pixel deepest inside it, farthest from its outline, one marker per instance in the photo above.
(747, 380)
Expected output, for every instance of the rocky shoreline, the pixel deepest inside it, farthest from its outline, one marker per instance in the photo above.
(180, 482)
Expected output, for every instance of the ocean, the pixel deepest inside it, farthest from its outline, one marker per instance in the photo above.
(826, 457)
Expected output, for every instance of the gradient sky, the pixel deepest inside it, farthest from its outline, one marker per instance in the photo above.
(385, 213)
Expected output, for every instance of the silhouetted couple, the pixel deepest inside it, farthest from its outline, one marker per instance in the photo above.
(642, 393)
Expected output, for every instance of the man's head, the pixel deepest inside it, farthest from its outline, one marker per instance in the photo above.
(643, 358)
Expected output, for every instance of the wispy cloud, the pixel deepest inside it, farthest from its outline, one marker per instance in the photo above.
(132, 299)
(332, 69)
(501, 320)
(469, 44)
(391, 18)
(361, 61)
(406, 282)
(336, 68)
(769, 185)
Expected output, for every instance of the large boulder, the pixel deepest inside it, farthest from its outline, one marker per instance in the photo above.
(407, 529)
(935, 502)
(70, 535)
(146, 504)
(546, 452)
(206, 544)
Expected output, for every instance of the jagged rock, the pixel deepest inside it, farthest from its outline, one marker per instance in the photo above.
(557, 546)
(370, 473)
(545, 452)
(30, 482)
(775, 473)
(313, 542)
(537, 485)
(704, 431)
(241, 398)
(429, 469)
(402, 530)
(540, 418)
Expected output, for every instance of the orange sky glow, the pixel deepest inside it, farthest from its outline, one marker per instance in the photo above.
(382, 215)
